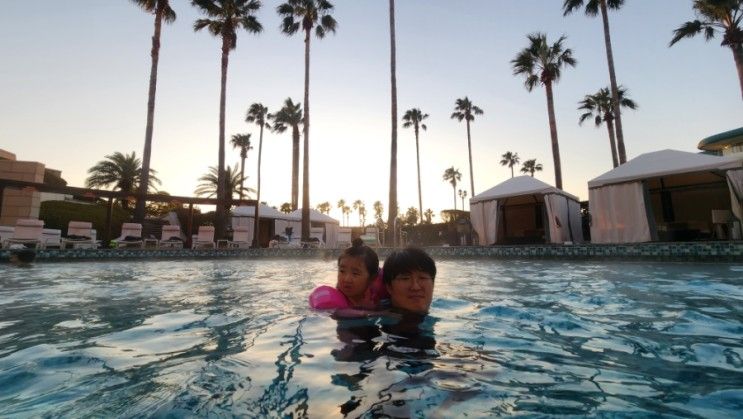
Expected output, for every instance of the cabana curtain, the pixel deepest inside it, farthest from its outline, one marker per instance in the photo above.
(484, 218)
(618, 214)
(735, 183)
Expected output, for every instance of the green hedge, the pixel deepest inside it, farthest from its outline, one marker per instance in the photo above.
(57, 214)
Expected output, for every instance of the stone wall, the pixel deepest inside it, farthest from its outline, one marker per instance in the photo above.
(19, 203)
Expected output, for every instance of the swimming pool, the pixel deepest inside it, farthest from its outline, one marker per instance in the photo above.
(234, 337)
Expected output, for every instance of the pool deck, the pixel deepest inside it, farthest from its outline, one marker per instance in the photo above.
(675, 251)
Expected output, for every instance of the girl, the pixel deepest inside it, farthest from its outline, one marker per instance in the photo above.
(359, 284)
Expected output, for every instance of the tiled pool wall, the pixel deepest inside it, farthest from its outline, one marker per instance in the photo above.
(679, 251)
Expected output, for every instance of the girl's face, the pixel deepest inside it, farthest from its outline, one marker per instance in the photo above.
(353, 278)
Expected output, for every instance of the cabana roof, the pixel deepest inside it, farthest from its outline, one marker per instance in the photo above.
(264, 212)
(664, 163)
(315, 216)
(517, 186)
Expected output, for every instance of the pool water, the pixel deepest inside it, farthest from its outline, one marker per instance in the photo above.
(235, 338)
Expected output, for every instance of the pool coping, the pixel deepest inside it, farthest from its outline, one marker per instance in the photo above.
(677, 251)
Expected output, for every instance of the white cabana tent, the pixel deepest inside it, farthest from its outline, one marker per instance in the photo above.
(525, 210)
(274, 221)
(318, 219)
(666, 195)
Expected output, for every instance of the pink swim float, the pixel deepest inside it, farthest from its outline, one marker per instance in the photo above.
(326, 297)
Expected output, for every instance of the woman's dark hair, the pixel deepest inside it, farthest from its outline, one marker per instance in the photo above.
(360, 250)
(406, 261)
(24, 255)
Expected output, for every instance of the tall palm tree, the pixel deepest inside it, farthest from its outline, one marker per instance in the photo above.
(290, 115)
(428, 214)
(541, 63)
(531, 166)
(324, 207)
(258, 114)
(393, 206)
(466, 110)
(592, 9)
(347, 213)
(162, 11)
(242, 141)
(414, 118)
(463, 194)
(210, 180)
(341, 205)
(306, 15)
(510, 159)
(599, 107)
(378, 210)
(224, 18)
(453, 176)
(360, 208)
(123, 171)
(713, 16)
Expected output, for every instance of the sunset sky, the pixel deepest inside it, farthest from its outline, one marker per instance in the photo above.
(74, 79)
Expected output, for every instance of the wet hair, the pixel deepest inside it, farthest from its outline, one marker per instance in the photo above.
(359, 250)
(406, 261)
(24, 255)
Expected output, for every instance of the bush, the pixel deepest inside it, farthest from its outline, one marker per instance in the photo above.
(57, 214)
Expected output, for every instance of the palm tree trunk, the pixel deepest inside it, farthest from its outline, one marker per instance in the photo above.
(219, 220)
(144, 178)
(392, 213)
(738, 57)
(306, 168)
(454, 188)
(295, 168)
(256, 223)
(614, 88)
(469, 147)
(418, 162)
(553, 135)
(511, 177)
(242, 174)
(610, 128)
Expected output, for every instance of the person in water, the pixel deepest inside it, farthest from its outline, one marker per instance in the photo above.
(408, 276)
(22, 257)
(358, 286)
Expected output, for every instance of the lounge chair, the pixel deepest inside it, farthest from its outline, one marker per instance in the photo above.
(79, 236)
(51, 237)
(170, 237)
(371, 237)
(131, 236)
(27, 232)
(205, 238)
(344, 238)
(240, 237)
(315, 240)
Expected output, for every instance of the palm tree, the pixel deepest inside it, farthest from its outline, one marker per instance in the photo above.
(162, 11)
(510, 159)
(341, 205)
(592, 9)
(428, 214)
(599, 107)
(210, 180)
(258, 114)
(346, 213)
(542, 63)
(290, 115)
(123, 171)
(453, 176)
(360, 208)
(713, 16)
(242, 141)
(531, 166)
(392, 213)
(324, 207)
(225, 17)
(286, 208)
(462, 195)
(378, 210)
(306, 15)
(466, 110)
(414, 118)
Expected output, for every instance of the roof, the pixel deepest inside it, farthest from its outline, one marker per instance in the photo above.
(721, 140)
(517, 186)
(664, 163)
(316, 216)
(264, 212)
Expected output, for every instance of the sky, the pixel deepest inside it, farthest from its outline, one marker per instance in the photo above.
(74, 81)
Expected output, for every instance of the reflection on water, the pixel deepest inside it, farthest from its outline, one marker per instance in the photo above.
(234, 338)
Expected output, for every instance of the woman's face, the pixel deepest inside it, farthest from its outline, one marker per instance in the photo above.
(353, 278)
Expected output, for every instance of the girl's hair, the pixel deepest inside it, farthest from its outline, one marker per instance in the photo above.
(360, 250)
